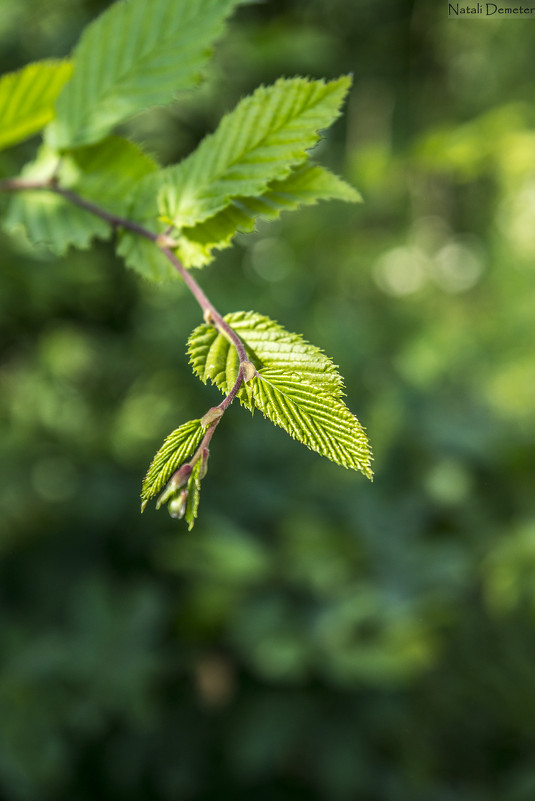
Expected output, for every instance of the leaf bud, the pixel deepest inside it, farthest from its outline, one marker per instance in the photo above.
(177, 480)
(177, 505)
(211, 416)
(204, 463)
(248, 371)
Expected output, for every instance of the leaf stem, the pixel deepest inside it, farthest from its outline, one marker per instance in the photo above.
(164, 243)
(211, 315)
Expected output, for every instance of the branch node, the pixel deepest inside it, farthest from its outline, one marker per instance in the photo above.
(177, 506)
(164, 241)
(248, 371)
(177, 480)
(213, 414)
(209, 317)
(205, 454)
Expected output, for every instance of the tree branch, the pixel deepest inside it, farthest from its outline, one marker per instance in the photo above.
(163, 241)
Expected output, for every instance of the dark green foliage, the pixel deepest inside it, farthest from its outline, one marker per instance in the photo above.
(315, 638)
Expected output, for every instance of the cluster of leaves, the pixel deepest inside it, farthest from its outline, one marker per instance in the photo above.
(87, 182)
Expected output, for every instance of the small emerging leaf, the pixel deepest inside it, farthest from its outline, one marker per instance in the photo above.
(177, 448)
(193, 496)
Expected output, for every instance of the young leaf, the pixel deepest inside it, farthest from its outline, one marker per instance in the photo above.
(267, 134)
(177, 448)
(269, 346)
(193, 490)
(304, 186)
(135, 55)
(318, 420)
(27, 99)
(297, 387)
(105, 174)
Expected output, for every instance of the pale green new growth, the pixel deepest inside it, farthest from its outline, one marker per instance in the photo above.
(318, 420)
(298, 388)
(86, 183)
(177, 448)
(254, 166)
(27, 99)
(268, 345)
(137, 54)
(267, 134)
(193, 490)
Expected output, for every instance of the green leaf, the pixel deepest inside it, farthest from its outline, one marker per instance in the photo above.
(303, 187)
(145, 258)
(297, 387)
(45, 217)
(317, 419)
(141, 254)
(135, 55)
(267, 134)
(105, 174)
(193, 490)
(177, 448)
(269, 346)
(27, 99)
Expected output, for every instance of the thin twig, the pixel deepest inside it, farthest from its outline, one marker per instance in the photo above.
(211, 315)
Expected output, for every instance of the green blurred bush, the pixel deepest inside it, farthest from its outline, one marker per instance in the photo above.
(315, 637)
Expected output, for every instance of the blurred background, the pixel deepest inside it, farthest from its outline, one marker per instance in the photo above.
(315, 637)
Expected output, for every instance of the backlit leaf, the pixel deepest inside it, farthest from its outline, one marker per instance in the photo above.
(318, 420)
(268, 345)
(304, 186)
(137, 54)
(261, 140)
(27, 99)
(297, 387)
(177, 448)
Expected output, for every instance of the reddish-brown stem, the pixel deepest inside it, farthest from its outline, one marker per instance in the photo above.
(164, 243)
(211, 314)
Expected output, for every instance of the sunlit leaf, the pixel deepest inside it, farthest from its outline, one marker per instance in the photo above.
(135, 55)
(261, 140)
(177, 448)
(27, 99)
(297, 387)
(318, 420)
(304, 186)
(269, 346)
